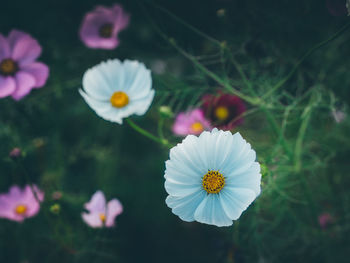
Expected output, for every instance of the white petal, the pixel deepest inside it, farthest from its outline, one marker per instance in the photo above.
(184, 207)
(235, 200)
(96, 85)
(210, 211)
(178, 189)
(250, 179)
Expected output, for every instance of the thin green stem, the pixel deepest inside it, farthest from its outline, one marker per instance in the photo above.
(147, 134)
(301, 60)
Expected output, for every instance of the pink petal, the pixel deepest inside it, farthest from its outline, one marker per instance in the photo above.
(4, 48)
(15, 192)
(29, 199)
(122, 18)
(92, 219)
(25, 82)
(7, 86)
(25, 49)
(39, 71)
(114, 208)
(97, 203)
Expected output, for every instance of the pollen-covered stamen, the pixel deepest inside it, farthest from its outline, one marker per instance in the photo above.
(119, 99)
(222, 113)
(106, 30)
(213, 182)
(197, 127)
(21, 209)
(102, 217)
(8, 67)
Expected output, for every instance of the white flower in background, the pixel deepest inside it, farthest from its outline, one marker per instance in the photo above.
(116, 90)
(212, 178)
(338, 115)
(348, 6)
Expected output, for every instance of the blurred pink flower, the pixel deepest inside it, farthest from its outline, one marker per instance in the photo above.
(15, 153)
(19, 71)
(101, 214)
(324, 219)
(223, 111)
(191, 122)
(100, 27)
(336, 7)
(19, 204)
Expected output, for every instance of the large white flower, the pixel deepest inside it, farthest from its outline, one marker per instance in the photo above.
(212, 178)
(115, 89)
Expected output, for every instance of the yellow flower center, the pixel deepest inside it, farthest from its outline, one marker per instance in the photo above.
(213, 182)
(221, 113)
(197, 127)
(102, 217)
(119, 99)
(106, 31)
(8, 67)
(21, 209)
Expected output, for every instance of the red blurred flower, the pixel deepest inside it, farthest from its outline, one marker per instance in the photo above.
(224, 111)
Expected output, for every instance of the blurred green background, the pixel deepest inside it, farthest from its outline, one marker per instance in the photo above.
(68, 148)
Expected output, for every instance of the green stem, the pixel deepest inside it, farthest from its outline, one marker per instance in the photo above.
(299, 142)
(147, 134)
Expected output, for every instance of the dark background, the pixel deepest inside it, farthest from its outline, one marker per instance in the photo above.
(70, 149)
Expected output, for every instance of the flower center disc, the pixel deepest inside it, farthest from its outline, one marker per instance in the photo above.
(8, 67)
(197, 127)
(221, 113)
(106, 30)
(21, 209)
(102, 217)
(213, 182)
(119, 99)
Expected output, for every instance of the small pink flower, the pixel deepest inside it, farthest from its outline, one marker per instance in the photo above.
(19, 204)
(19, 71)
(325, 219)
(101, 214)
(100, 28)
(15, 153)
(224, 111)
(191, 122)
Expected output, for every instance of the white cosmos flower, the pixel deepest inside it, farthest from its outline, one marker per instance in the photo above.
(116, 90)
(212, 178)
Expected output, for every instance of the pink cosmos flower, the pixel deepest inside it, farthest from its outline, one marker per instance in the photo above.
(223, 111)
(101, 214)
(19, 71)
(100, 27)
(325, 219)
(19, 204)
(191, 122)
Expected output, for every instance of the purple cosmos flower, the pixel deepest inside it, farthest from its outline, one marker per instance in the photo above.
(191, 122)
(19, 204)
(223, 111)
(19, 71)
(100, 27)
(101, 214)
(324, 220)
(336, 7)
